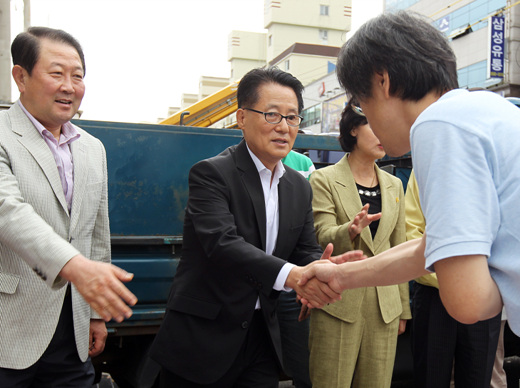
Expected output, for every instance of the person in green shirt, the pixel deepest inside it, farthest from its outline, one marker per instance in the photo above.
(299, 162)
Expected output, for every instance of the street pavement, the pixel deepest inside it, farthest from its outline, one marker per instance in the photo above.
(106, 382)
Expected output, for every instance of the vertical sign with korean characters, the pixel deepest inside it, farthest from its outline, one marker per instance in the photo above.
(496, 47)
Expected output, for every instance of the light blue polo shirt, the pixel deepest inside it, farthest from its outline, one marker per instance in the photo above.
(466, 155)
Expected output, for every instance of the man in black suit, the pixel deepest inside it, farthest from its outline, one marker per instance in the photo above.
(248, 232)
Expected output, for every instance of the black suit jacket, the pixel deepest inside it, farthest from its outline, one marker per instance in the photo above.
(224, 268)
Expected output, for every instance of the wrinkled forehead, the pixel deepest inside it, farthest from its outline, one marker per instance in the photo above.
(275, 95)
(59, 53)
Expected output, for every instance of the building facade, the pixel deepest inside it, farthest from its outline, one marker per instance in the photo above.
(246, 51)
(324, 100)
(321, 22)
(307, 62)
(485, 36)
(302, 37)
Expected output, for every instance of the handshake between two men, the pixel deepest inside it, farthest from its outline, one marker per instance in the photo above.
(317, 284)
(101, 284)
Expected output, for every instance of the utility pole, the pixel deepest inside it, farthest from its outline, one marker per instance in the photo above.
(5, 46)
(6, 30)
(26, 14)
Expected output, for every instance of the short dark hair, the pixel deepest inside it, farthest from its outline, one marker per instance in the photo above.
(25, 48)
(417, 57)
(350, 119)
(247, 92)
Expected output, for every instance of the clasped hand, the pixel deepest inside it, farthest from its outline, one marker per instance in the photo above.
(314, 289)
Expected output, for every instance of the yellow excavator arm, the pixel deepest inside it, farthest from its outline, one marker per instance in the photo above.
(208, 110)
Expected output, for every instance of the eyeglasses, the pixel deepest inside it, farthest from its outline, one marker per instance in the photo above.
(358, 110)
(275, 117)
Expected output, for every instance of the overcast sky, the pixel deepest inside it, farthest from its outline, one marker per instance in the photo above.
(141, 55)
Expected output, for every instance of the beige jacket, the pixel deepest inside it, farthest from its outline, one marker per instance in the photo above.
(38, 236)
(335, 204)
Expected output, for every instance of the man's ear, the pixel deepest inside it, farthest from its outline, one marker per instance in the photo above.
(240, 118)
(381, 81)
(20, 76)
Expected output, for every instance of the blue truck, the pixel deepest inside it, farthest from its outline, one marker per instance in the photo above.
(148, 166)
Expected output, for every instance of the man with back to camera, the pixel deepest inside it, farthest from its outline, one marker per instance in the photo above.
(247, 230)
(54, 228)
(464, 147)
(444, 350)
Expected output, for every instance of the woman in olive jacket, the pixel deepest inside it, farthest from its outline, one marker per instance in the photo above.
(358, 206)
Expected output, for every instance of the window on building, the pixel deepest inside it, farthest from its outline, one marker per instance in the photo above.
(324, 36)
(324, 10)
(287, 65)
(270, 40)
(311, 116)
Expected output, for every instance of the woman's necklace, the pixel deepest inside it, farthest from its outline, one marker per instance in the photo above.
(361, 189)
(370, 193)
(373, 180)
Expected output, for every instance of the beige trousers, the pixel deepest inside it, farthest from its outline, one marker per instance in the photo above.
(359, 354)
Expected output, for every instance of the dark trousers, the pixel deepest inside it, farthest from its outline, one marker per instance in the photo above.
(59, 365)
(295, 340)
(440, 344)
(254, 367)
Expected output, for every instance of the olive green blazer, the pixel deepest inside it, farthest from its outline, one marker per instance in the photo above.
(335, 204)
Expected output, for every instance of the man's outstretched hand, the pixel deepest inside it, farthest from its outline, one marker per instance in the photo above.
(326, 271)
(101, 286)
(319, 293)
(312, 291)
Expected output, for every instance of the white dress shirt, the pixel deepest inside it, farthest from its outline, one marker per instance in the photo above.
(272, 216)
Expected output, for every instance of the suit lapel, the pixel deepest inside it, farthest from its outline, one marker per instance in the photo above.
(31, 139)
(389, 199)
(349, 196)
(251, 179)
(79, 158)
(285, 195)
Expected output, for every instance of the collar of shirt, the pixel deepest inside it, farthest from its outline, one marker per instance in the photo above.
(278, 171)
(68, 131)
(270, 191)
(60, 151)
